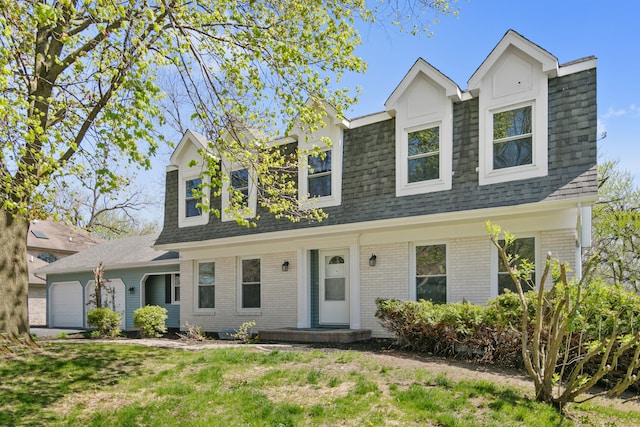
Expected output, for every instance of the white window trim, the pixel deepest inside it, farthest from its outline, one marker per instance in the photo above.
(444, 182)
(226, 185)
(335, 199)
(173, 289)
(196, 293)
(494, 261)
(539, 151)
(256, 311)
(413, 292)
(183, 220)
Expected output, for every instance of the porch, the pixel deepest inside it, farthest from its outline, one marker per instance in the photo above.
(315, 335)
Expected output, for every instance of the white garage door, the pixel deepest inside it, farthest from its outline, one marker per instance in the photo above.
(65, 302)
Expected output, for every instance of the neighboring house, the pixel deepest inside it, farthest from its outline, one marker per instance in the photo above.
(408, 191)
(138, 274)
(49, 241)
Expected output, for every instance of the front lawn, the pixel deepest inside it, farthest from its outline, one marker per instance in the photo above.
(80, 383)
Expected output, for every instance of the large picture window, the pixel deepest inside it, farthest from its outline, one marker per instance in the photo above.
(523, 248)
(191, 199)
(250, 283)
(431, 273)
(423, 155)
(206, 292)
(512, 138)
(319, 176)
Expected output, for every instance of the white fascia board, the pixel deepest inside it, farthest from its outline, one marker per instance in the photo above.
(511, 38)
(370, 119)
(89, 269)
(189, 137)
(348, 231)
(577, 66)
(423, 67)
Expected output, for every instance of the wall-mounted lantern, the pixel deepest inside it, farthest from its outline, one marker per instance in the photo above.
(285, 266)
(132, 290)
(372, 260)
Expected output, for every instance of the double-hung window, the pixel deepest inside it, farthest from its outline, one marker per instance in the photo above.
(319, 175)
(512, 138)
(240, 184)
(192, 187)
(431, 273)
(175, 289)
(250, 283)
(423, 155)
(520, 249)
(206, 287)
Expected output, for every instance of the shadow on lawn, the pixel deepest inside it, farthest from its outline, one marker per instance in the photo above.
(30, 383)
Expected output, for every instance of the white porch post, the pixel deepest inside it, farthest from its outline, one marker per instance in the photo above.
(304, 294)
(354, 286)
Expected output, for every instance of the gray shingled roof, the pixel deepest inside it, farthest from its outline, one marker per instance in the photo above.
(57, 236)
(129, 252)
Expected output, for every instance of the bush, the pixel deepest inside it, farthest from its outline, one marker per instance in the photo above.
(459, 330)
(150, 320)
(105, 320)
(606, 315)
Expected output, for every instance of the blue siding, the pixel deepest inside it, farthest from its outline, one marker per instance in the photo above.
(131, 279)
(155, 295)
(315, 289)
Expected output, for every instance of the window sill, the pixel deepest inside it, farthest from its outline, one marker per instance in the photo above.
(511, 174)
(423, 187)
(193, 221)
(320, 202)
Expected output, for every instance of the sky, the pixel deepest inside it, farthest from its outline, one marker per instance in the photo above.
(568, 29)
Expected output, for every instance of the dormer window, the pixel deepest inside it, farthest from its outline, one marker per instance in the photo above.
(512, 138)
(512, 85)
(320, 163)
(423, 108)
(423, 154)
(191, 209)
(319, 175)
(192, 185)
(240, 183)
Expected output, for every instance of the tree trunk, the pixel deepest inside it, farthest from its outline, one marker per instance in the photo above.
(14, 276)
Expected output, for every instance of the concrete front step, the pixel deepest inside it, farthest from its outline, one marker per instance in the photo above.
(314, 335)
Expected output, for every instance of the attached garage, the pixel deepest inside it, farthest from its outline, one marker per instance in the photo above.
(66, 305)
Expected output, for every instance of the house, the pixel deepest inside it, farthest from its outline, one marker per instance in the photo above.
(49, 241)
(138, 274)
(408, 191)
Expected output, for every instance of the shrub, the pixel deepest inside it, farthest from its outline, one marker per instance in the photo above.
(150, 320)
(105, 320)
(580, 331)
(244, 332)
(192, 333)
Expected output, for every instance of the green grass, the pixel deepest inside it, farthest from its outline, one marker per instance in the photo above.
(122, 384)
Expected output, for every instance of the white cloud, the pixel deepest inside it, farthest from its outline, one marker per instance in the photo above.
(615, 113)
(602, 127)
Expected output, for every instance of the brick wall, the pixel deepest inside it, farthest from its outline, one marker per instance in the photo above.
(388, 279)
(469, 275)
(562, 245)
(278, 295)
